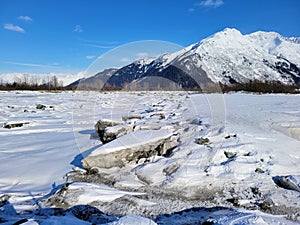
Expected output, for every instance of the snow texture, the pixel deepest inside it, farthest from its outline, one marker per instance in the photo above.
(261, 133)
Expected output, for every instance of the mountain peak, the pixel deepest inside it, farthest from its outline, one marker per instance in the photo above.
(263, 35)
(230, 31)
(144, 61)
(226, 34)
(295, 40)
(226, 57)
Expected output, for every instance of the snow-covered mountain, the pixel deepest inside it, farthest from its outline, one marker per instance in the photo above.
(95, 81)
(226, 57)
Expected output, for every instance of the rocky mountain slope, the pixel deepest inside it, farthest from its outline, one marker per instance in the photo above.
(95, 81)
(227, 57)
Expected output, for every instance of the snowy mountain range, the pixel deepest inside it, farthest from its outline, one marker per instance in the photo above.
(226, 57)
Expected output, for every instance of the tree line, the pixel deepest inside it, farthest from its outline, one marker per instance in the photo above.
(27, 82)
(31, 82)
(262, 87)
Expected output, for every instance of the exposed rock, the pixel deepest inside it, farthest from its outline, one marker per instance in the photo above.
(130, 148)
(230, 155)
(148, 126)
(100, 127)
(50, 212)
(102, 124)
(289, 182)
(131, 116)
(259, 170)
(14, 125)
(4, 198)
(21, 221)
(26, 111)
(208, 223)
(255, 190)
(90, 214)
(202, 141)
(169, 170)
(234, 201)
(40, 106)
(160, 115)
(111, 133)
(266, 204)
(230, 136)
(196, 121)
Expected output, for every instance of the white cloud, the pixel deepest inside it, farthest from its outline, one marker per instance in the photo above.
(90, 56)
(211, 3)
(142, 54)
(12, 27)
(124, 59)
(99, 46)
(78, 29)
(30, 64)
(25, 18)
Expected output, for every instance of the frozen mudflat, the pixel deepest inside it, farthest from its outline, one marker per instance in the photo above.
(234, 158)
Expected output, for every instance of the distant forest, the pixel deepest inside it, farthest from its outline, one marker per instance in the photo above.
(52, 83)
(262, 87)
(33, 83)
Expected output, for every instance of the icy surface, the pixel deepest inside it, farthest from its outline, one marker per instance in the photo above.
(35, 157)
(94, 192)
(133, 220)
(259, 133)
(132, 140)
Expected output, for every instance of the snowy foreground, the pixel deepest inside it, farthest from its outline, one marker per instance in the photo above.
(229, 159)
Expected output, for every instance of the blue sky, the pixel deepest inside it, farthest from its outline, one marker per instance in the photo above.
(38, 36)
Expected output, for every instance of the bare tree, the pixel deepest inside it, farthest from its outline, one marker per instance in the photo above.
(61, 83)
(18, 80)
(34, 80)
(25, 79)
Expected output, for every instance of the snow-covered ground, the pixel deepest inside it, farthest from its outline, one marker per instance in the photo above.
(245, 142)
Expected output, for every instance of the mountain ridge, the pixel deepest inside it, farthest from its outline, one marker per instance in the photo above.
(225, 57)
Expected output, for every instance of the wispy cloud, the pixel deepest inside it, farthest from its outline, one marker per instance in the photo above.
(90, 56)
(100, 46)
(100, 42)
(124, 60)
(78, 29)
(30, 64)
(25, 18)
(142, 54)
(210, 3)
(12, 27)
